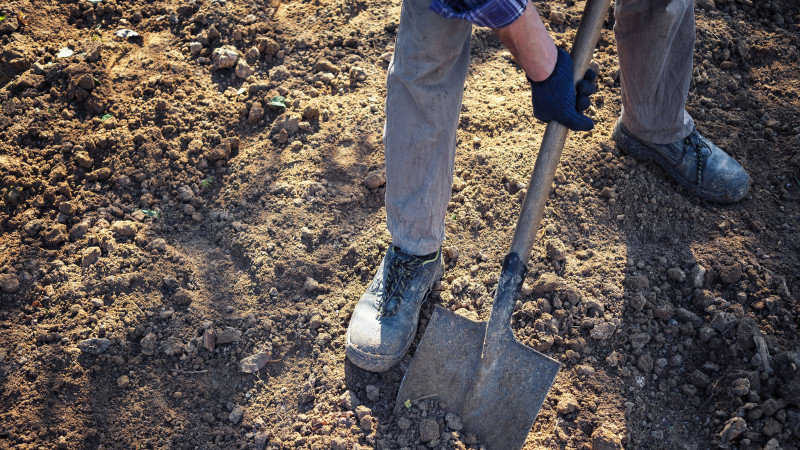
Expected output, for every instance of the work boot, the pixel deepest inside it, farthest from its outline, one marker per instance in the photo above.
(694, 162)
(385, 318)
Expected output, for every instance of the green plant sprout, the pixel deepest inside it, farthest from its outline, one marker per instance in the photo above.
(278, 101)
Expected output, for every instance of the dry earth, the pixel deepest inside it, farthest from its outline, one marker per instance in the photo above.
(189, 214)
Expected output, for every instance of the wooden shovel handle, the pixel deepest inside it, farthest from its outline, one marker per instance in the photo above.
(555, 134)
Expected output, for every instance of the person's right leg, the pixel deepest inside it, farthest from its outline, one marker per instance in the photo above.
(424, 88)
(655, 44)
(423, 100)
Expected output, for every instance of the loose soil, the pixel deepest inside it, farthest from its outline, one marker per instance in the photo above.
(190, 213)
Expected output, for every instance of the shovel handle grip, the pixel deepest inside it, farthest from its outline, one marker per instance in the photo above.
(555, 135)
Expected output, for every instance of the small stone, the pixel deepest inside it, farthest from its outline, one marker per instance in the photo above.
(567, 404)
(706, 333)
(638, 302)
(224, 57)
(453, 422)
(185, 194)
(603, 330)
(730, 274)
(698, 276)
(149, 344)
(772, 406)
(323, 65)
(741, 386)
(373, 393)
(55, 235)
(557, 17)
(357, 75)
(367, 423)
(458, 184)
(254, 363)
(645, 363)
(428, 430)
(261, 440)
(236, 414)
(689, 390)
(676, 274)
(348, 400)
(724, 321)
(244, 70)
(9, 282)
(688, 317)
(733, 429)
(172, 346)
(123, 381)
(403, 424)
(252, 55)
(771, 427)
(228, 335)
(311, 285)
(126, 228)
(220, 152)
(256, 113)
(606, 437)
(639, 340)
(195, 48)
(85, 81)
(183, 297)
(94, 346)
(362, 411)
(547, 282)
(664, 311)
(375, 179)
(209, 339)
(268, 45)
(556, 250)
(278, 73)
(90, 256)
(699, 379)
(584, 370)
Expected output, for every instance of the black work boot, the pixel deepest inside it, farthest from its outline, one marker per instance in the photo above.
(694, 162)
(385, 318)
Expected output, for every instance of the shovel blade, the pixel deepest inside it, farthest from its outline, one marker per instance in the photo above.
(446, 360)
(498, 401)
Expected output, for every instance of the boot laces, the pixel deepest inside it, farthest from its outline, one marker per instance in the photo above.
(400, 272)
(701, 150)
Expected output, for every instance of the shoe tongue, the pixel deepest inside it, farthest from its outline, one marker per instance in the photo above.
(399, 251)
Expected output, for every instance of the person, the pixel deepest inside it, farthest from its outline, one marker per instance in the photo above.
(425, 81)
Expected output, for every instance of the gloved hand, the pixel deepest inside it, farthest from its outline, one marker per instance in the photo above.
(555, 98)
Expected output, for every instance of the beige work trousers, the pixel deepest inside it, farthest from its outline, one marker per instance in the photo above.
(425, 82)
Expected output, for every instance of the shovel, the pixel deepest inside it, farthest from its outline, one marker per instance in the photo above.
(479, 370)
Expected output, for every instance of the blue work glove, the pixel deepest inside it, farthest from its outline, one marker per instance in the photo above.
(557, 99)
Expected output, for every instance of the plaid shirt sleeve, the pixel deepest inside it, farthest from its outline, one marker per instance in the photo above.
(484, 13)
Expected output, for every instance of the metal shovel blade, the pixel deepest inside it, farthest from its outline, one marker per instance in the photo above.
(496, 385)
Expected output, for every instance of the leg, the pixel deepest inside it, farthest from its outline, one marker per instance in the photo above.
(655, 43)
(423, 101)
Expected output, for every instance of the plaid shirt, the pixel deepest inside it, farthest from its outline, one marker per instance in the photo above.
(484, 13)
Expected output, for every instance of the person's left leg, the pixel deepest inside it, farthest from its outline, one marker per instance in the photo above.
(655, 44)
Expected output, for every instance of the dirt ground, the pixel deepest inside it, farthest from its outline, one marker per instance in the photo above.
(188, 215)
